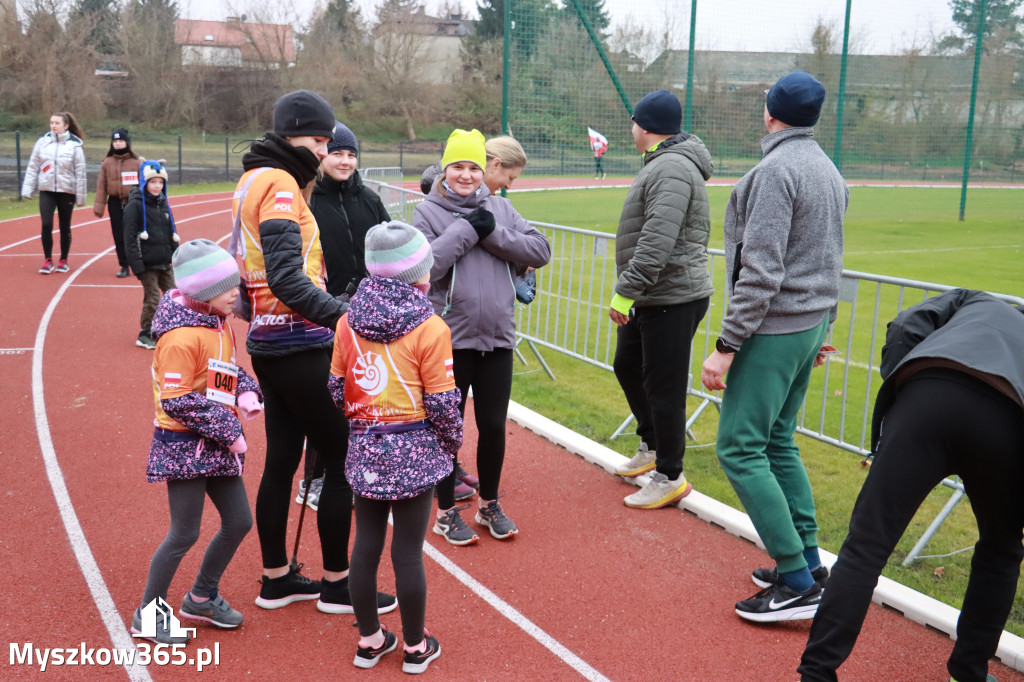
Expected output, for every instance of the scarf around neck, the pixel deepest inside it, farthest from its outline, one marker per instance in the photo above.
(274, 151)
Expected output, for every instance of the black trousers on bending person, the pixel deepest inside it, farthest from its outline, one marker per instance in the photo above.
(297, 405)
(64, 204)
(943, 422)
(652, 364)
(489, 373)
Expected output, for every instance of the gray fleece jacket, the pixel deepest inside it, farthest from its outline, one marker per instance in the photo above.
(784, 239)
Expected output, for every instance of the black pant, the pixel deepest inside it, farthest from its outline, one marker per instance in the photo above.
(943, 422)
(298, 405)
(116, 210)
(490, 375)
(64, 204)
(411, 519)
(652, 364)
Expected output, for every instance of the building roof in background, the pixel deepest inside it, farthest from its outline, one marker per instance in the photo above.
(256, 42)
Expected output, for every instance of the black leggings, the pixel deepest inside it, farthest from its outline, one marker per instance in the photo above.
(411, 518)
(186, 499)
(298, 405)
(116, 209)
(64, 204)
(490, 375)
(943, 422)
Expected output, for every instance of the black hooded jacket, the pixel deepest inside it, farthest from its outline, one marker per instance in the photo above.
(345, 210)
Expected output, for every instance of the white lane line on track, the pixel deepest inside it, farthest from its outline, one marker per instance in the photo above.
(106, 221)
(119, 635)
(507, 610)
(76, 536)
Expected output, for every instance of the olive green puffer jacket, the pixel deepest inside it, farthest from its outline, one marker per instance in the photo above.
(661, 247)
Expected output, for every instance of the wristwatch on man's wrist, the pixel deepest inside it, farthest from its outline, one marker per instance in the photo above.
(722, 347)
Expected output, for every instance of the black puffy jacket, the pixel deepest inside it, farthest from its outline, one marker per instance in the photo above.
(154, 215)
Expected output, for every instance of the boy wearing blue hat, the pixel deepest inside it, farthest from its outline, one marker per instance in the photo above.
(784, 257)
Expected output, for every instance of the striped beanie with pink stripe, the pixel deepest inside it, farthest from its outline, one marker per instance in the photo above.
(203, 270)
(399, 251)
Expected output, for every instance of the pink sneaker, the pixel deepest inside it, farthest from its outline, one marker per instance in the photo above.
(47, 267)
(466, 477)
(62, 265)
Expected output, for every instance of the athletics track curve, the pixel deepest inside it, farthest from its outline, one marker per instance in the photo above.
(589, 590)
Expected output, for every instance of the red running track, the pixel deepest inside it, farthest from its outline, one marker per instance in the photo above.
(589, 589)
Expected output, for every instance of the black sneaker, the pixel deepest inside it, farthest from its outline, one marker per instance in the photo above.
(368, 657)
(334, 598)
(145, 341)
(416, 663)
(780, 602)
(494, 518)
(278, 592)
(766, 577)
(122, 273)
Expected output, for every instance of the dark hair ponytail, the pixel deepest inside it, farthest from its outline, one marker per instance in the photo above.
(73, 126)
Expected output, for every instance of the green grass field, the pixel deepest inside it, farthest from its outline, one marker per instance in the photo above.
(908, 233)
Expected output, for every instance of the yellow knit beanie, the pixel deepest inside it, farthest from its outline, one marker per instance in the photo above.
(465, 145)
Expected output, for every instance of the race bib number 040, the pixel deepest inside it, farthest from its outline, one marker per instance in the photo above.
(221, 381)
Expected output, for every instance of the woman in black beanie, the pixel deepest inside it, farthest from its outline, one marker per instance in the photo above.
(119, 173)
(290, 340)
(345, 209)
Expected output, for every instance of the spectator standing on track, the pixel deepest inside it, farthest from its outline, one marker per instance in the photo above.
(199, 446)
(119, 173)
(784, 259)
(344, 209)
(391, 375)
(150, 239)
(662, 291)
(290, 338)
(480, 244)
(56, 168)
(951, 404)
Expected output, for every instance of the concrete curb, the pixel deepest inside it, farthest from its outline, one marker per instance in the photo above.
(912, 604)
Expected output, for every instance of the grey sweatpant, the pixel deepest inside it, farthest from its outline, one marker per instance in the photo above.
(186, 500)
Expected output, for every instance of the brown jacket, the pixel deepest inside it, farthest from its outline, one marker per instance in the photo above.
(109, 182)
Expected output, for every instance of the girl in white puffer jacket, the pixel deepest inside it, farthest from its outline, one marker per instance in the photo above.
(57, 169)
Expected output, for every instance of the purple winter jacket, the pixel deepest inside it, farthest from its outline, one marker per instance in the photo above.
(395, 466)
(471, 282)
(203, 450)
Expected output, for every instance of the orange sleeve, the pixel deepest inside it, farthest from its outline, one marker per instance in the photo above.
(279, 195)
(176, 363)
(436, 357)
(339, 362)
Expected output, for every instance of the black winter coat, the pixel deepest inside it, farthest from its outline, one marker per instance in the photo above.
(155, 252)
(345, 210)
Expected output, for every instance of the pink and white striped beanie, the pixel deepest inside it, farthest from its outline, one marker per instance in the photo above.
(398, 250)
(203, 270)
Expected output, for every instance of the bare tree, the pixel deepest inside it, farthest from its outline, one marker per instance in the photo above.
(50, 66)
(400, 48)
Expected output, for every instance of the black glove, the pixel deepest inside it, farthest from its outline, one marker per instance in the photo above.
(482, 221)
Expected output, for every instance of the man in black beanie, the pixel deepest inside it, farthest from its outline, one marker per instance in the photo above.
(784, 257)
(662, 290)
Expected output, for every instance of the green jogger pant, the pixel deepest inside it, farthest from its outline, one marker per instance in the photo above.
(766, 385)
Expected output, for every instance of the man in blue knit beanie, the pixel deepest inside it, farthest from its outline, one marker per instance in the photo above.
(784, 258)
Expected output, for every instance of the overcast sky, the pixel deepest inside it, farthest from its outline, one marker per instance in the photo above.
(878, 26)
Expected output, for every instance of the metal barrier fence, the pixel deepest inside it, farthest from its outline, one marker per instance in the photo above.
(570, 316)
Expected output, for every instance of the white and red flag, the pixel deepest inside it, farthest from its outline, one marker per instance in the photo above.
(598, 142)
